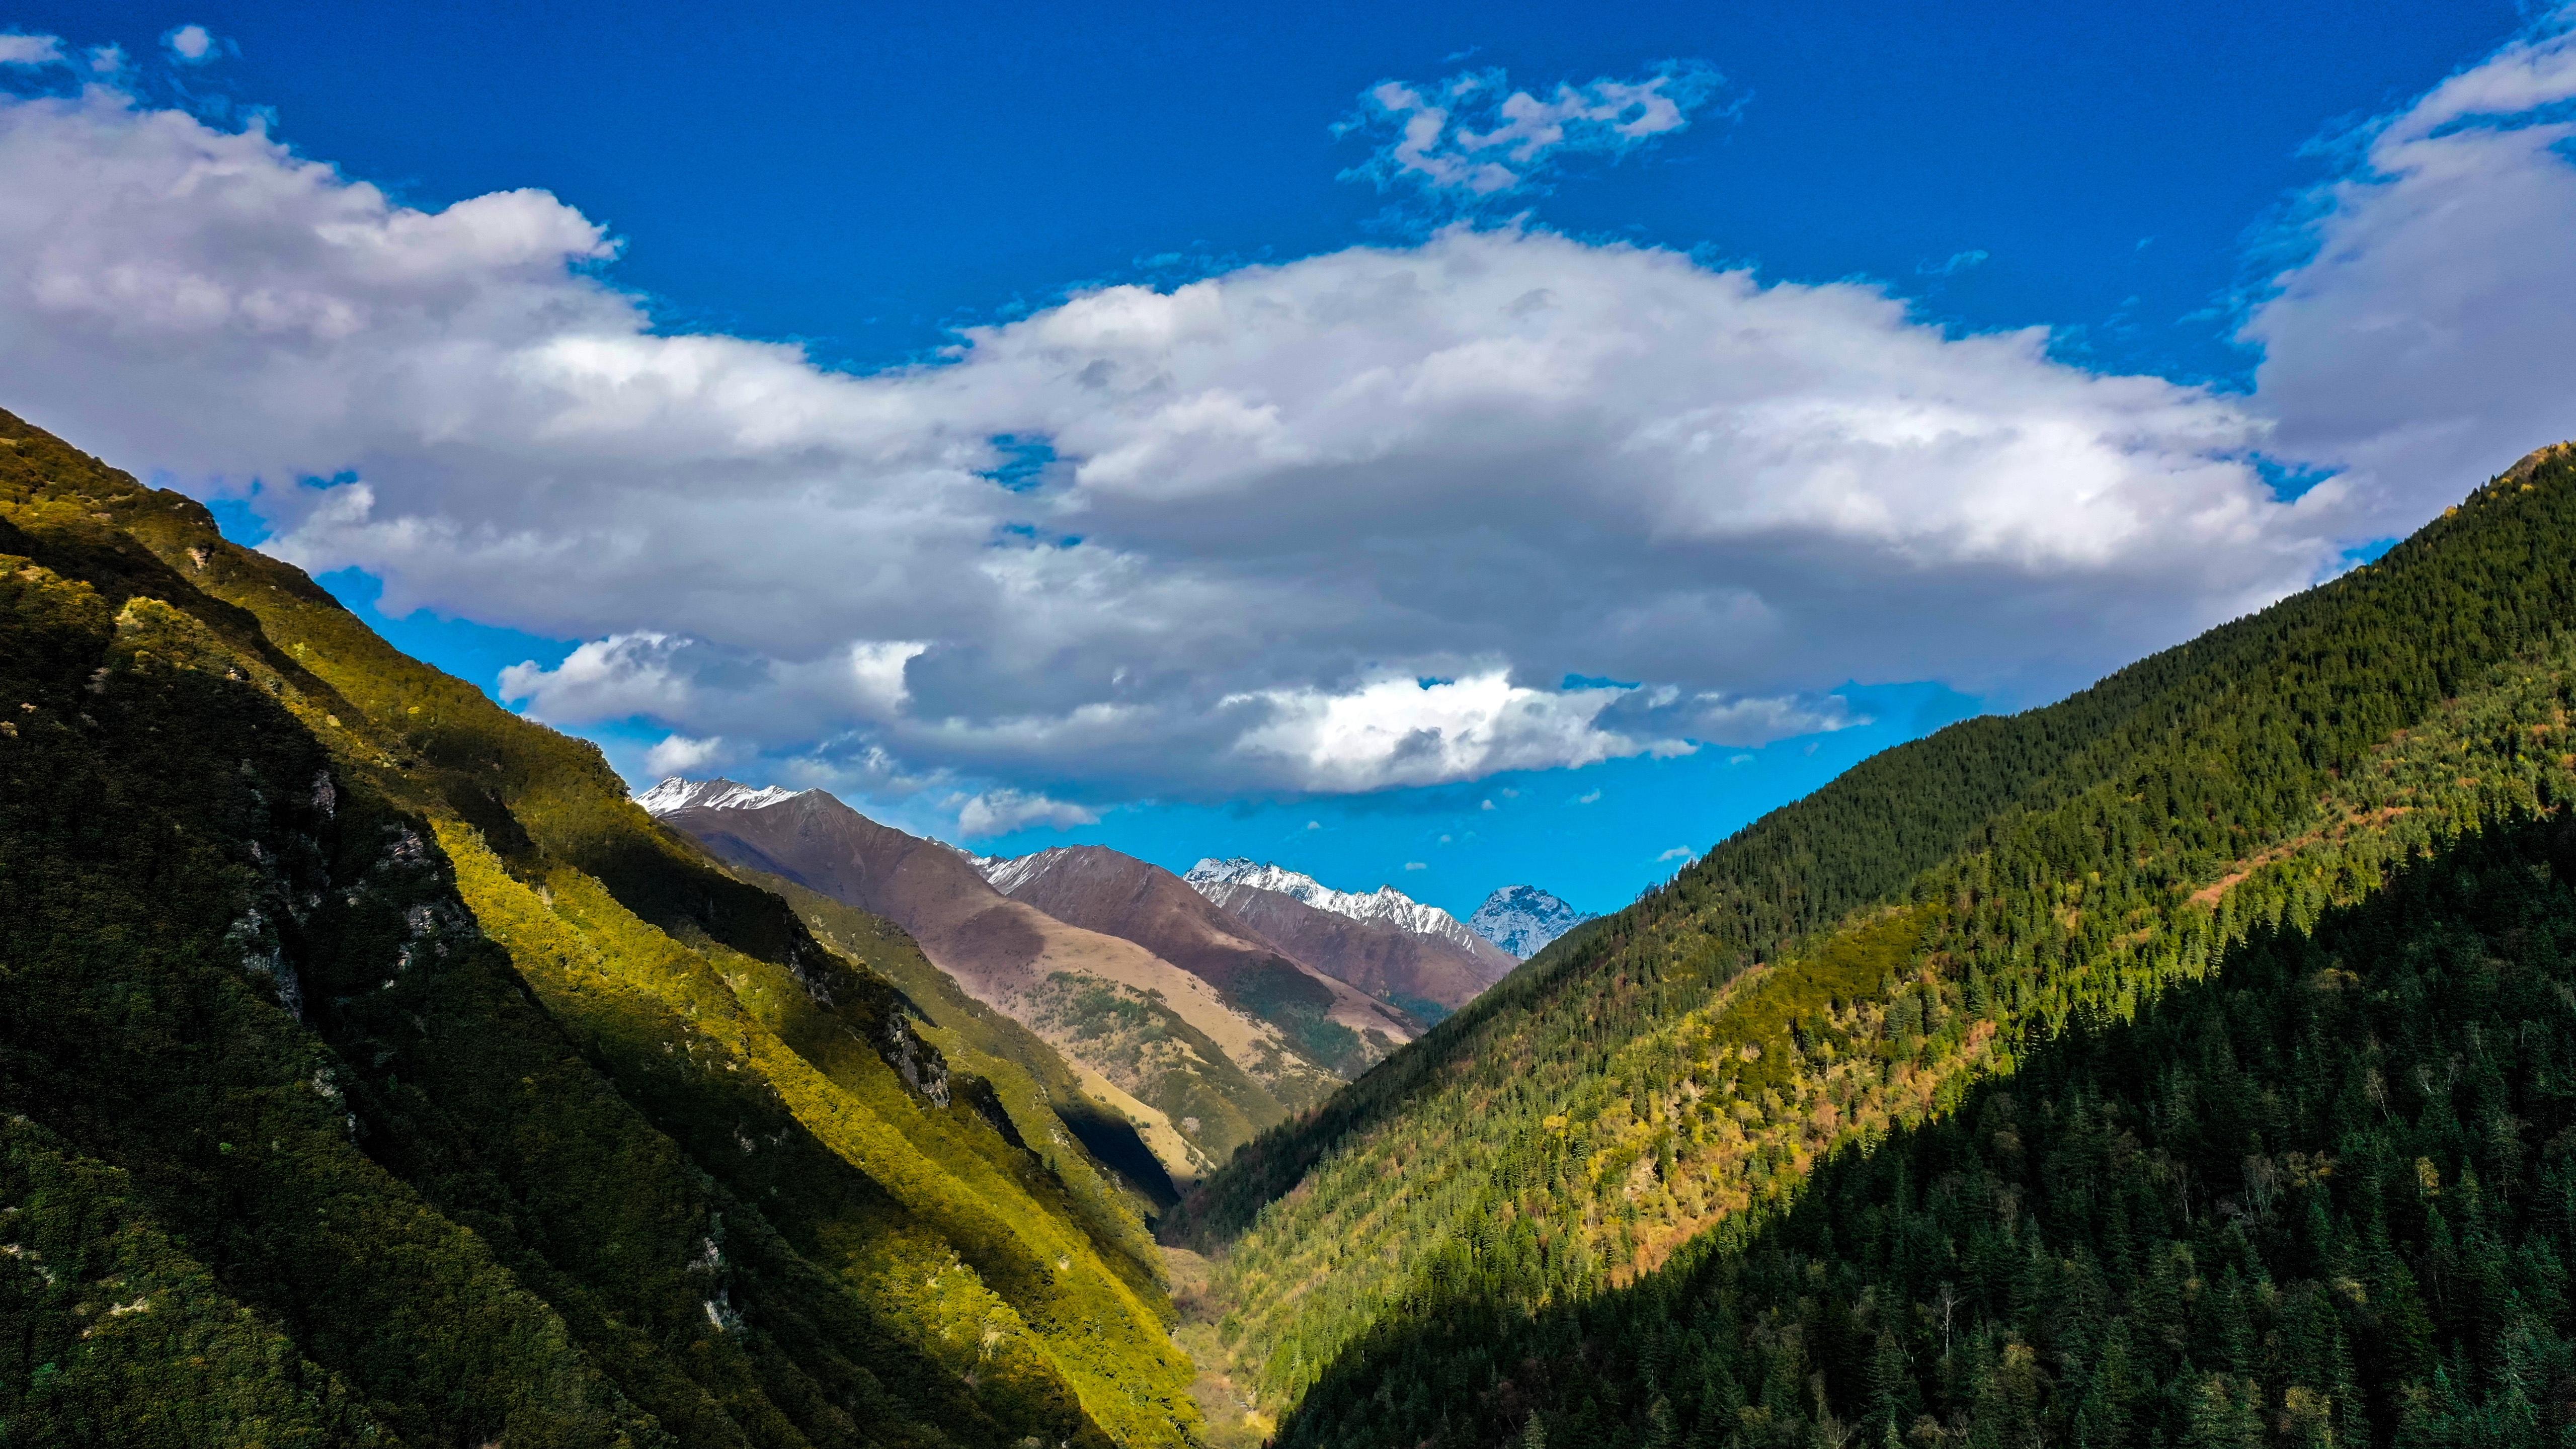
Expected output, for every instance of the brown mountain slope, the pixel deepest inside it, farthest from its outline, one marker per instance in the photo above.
(1156, 1040)
(1428, 978)
(1105, 890)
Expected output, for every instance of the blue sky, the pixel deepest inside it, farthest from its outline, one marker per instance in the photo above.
(1200, 618)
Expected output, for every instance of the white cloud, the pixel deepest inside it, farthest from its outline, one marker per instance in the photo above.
(680, 755)
(663, 676)
(1416, 865)
(1314, 824)
(1284, 495)
(190, 44)
(1678, 852)
(2419, 343)
(1405, 731)
(16, 49)
(999, 812)
(876, 673)
(1589, 797)
(1473, 135)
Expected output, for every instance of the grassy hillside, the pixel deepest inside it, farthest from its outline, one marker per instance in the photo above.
(1033, 1085)
(1856, 960)
(2326, 1196)
(375, 1072)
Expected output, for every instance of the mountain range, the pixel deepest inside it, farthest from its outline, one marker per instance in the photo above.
(1247, 1003)
(1200, 1072)
(2184, 1063)
(1385, 904)
(1119, 895)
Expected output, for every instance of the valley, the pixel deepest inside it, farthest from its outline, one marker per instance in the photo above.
(2184, 1062)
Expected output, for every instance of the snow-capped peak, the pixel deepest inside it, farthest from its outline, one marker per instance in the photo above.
(995, 868)
(678, 793)
(1386, 903)
(1523, 919)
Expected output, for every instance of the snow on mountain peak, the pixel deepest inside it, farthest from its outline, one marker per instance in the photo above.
(1009, 872)
(680, 793)
(1522, 919)
(1386, 903)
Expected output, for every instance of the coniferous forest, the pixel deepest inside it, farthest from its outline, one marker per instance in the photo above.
(1853, 963)
(2325, 1195)
(2186, 1063)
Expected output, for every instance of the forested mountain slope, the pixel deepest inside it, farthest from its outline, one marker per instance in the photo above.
(1854, 960)
(1042, 1094)
(373, 1072)
(2326, 1196)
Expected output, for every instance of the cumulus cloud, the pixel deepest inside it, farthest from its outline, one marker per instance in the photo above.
(1001, 811)
(1473, 135)
(1354, 521)
(1405, 731)
(680, 755)
(16, 49)
(190, 44)
(2416, 342)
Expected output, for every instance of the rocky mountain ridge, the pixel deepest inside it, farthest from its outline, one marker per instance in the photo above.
(1385, 904)
(1333, 1021)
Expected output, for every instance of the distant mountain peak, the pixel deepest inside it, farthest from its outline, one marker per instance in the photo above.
(1386, 903)
(1009, 872)
(988, 866)
(681, 793)
(1522, 919)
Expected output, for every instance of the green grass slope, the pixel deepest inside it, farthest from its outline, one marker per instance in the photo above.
(2326, 1196)
(1855, 960)
(375, 1073)
(1033, 1085)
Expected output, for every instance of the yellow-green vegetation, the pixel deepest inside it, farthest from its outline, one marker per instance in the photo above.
(1856, 961)
(2325, 1195)
(375, 1072)
(1175, 1054)
(1094, 1150)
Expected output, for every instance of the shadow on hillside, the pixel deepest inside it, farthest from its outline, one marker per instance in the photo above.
(2329, 1190)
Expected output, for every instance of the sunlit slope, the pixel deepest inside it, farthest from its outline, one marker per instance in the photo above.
(1040, 1091)
(1205, 1074)
(380, 1074)
(2322, 1197)
(1856, 958)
